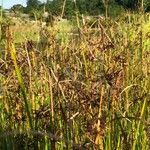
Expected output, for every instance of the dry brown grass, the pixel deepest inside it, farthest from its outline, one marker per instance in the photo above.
(91, 92)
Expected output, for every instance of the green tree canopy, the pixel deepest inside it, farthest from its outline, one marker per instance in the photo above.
(32, 4)
(17, 8)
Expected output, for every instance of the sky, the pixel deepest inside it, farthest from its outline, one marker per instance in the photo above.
(9, 3)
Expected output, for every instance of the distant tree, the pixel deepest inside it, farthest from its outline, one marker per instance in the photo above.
(88, 7)
(129, 4)
(56, 7)
(69, 9)
(147, 5)
(93, 7)
(34, 8)
(17, 8)
(135, 4)
(32, 5)
(81, 6)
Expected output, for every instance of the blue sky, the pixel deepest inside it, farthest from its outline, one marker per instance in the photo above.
(10, 3)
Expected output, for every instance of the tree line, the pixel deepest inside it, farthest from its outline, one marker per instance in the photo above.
(87, 7)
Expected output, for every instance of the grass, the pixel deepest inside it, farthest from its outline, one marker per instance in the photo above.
(91, 91)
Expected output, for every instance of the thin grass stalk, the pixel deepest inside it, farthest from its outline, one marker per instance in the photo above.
(144, 143)
(51, 97)
(109, 139)
(1, 18)
(61, 127)
(52, 121)
(141, 47)
(77, 17)
(139, 124)
(11, 49)
(99, 138)
(59, 85)
(85, 63)
(142, 6)
(118, 142)
(63, 8)
(30, 77)
(127, 69)
(106, 7)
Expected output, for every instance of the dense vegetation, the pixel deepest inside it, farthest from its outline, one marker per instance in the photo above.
(88, 7)
(77, 84)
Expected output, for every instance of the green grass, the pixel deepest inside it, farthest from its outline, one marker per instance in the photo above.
(90, 91)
